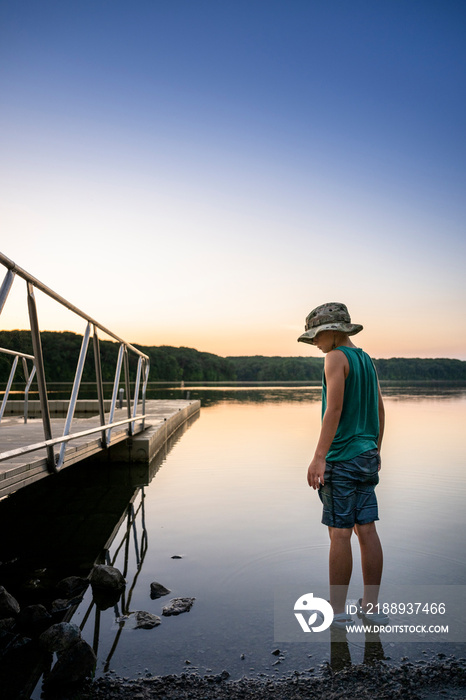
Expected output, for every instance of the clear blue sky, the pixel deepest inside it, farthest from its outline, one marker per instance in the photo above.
(204, 172)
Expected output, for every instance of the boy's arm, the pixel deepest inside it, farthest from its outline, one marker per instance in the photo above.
(336, 365)
(381, 425)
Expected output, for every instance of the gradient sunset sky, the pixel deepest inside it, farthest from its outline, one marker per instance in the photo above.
(205, 172)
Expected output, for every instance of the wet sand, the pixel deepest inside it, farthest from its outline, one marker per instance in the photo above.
(418, 680)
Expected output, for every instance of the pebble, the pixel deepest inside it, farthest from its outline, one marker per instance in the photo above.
(437, 676)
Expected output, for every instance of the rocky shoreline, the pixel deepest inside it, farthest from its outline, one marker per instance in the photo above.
(436, 678)
(31, 636)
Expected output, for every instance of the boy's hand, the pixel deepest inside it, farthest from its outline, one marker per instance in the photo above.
(315, 472)
(380, 462)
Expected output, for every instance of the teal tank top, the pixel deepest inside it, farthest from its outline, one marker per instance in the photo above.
(358, 429)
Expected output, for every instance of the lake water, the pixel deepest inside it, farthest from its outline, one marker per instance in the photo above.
(230, 498)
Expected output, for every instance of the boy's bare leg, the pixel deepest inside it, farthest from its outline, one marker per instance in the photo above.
(340, 566)
(371, 562)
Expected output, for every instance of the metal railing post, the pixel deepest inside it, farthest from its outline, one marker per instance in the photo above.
(26, 389)
(115, 388)
(8, 386)
(5, 288)
(100, 386)
(74, 392)
(144, 388)
(135, 535)
(136, 390)
(29, 378)
(25, 369)
(41, 383)
(127, 389)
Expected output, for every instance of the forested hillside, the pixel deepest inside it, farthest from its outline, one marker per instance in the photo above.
(269, 369)
(261, 368)
(61, 351)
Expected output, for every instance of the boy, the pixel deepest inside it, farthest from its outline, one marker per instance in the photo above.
(347, 457)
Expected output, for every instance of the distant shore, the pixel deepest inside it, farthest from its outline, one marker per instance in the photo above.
(177, 364)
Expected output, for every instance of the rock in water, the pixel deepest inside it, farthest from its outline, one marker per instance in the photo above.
(106, 598)
(157, 590)
(6, 624)
(61, 604)
(60, 637)
(177, 606)
(34, 618)
(146, 621)
(72, 586)
(73, 666)
(107, 578)
(9, 606)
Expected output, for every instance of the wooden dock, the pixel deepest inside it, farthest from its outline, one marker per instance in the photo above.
(164, 417)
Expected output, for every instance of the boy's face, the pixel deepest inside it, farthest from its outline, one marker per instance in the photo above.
(324, 340)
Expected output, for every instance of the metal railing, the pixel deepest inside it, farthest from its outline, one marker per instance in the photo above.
(29, 377)
(122, 606)
(55, 462)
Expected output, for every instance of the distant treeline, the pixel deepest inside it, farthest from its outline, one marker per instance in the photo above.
(261, 368)
(61, 351)
(270, 369)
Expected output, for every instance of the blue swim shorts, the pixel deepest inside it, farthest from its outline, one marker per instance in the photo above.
(348, 494)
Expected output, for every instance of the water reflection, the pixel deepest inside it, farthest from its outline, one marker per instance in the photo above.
(211, 395)
(58, 528)
(424, 390)
(340, 654)
(121, 606)
(232, 500)
(215, 393)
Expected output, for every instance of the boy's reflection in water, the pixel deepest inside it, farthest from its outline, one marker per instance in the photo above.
(340, 656)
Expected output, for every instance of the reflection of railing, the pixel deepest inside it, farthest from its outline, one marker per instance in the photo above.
(142, 373)
(29, 378)
(140, 549)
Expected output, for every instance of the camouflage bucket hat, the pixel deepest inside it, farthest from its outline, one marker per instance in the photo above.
(333, 316)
